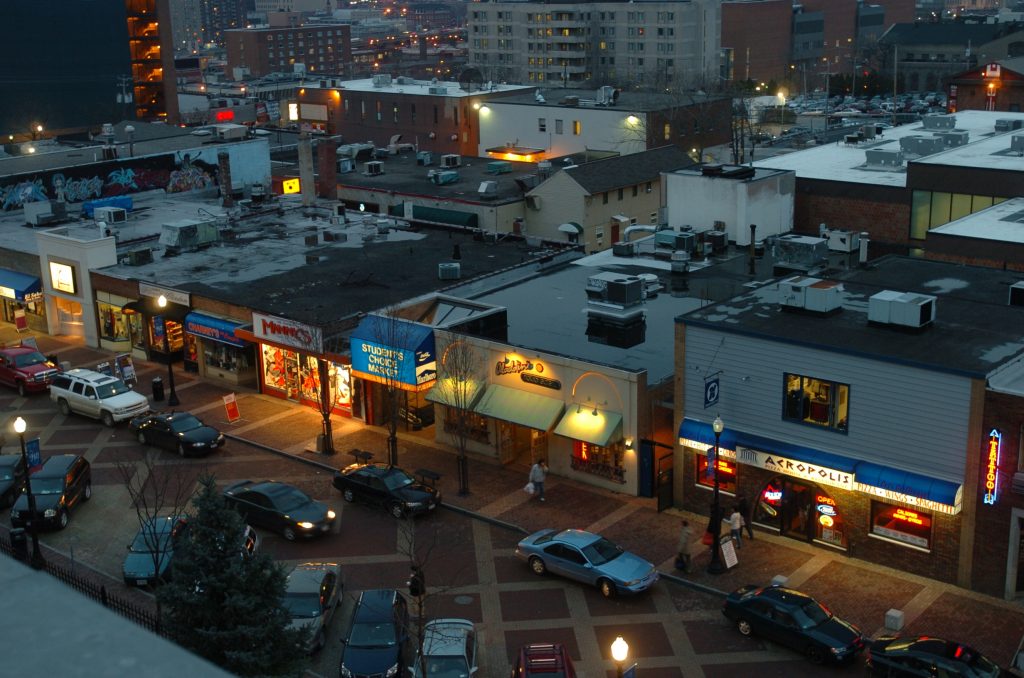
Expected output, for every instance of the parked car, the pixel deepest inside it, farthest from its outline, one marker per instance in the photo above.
(588, 558)
(280, 507)
(179, 432)
(387, 486)
(96, 395)
(61, 484)
(12, 478)
(449, 648)
(376, 642)
(150, 554)
(925, 656)
(26, 369)
(794, 619)
(311, 597)
(548, 660)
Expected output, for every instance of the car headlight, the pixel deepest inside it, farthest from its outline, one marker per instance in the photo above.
(15, 514)
(50, 513)
(306, 525)
(391, 672)
(838, 650)
(345, 672)
(331, 514)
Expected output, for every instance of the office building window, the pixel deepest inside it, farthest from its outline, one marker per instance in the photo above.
(817, 402)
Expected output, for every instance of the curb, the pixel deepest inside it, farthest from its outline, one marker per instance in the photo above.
(487, 519)
(676, 579)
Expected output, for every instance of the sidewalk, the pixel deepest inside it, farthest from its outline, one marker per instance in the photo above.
(859, 591)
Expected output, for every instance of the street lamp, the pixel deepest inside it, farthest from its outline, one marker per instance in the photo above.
(37, 561)
(172, 399)
(620, 650)
(37, 131)
(716, 566)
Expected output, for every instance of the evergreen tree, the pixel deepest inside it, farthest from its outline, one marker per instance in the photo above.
(226, 607)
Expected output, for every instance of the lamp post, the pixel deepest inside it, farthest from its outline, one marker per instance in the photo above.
(172, 399)
(37, 561)
(37, 131)
(716, 566)
(620, 651)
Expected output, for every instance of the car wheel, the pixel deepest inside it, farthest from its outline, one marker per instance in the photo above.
(607, 588)
(744, 627)
(64, 519)
(107, 418)
(288, 533)
(22, 391)
(348, 495)
(815, 653)
(87, 492)
(537, 565)
(63, 406)
(396, 510)
(142, 438)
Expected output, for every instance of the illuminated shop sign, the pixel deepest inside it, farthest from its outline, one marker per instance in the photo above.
(411, 362)
(62, 277)
(155, 292)
(991, 466)
(928, 504)
(287, 332)
(529, 371)
(290, 186)
(796, 468)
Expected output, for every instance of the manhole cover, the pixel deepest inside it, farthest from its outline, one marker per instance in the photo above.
(463, 600)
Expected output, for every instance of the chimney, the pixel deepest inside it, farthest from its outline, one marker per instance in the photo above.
(224, 170)
(752, 266)
(327, 169)
(864, 248)
(306, 169)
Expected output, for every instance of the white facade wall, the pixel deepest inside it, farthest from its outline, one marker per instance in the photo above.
(900, 416)
(520, 124)
(82, 255)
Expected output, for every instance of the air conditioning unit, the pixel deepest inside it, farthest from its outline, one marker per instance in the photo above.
(424, 158)
(624, 248)
(1008, 124)
(382, 80)
(1016, 294)
(440, 91)
(938, 121)
(488, 189)
(339, 210)
(1017, 143)
(450, 160)
(374, 168)
(843, 241)
(451, 271)
(138, 257)
(905, 309)
(111, 215)
(346, 165)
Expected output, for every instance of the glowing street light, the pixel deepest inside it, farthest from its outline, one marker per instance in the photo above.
(172, 399)
(620, 652)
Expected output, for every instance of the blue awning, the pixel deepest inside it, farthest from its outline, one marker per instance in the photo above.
(905, 482)
(209, 327)
(386, 349)
(17, 285)
(796, 452)
(698, 431)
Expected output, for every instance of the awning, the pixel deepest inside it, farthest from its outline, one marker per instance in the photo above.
(905, 482)
(796, 452)
(519, 407)
(210, 327)
(392, 350)
(581, 423)
(571, 227)
(172, 311)
(439, 215)
(704, 434)
(448, 392)
(14, 285)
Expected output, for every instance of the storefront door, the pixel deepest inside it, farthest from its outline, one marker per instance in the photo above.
(800, 510)
(292, 377)
(797, 502)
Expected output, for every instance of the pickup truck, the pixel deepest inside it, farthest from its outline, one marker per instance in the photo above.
(26, 369)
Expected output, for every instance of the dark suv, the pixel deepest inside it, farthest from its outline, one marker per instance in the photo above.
(64, 481)
(375, 645)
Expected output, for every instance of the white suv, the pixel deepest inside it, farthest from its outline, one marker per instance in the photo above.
(96, 395)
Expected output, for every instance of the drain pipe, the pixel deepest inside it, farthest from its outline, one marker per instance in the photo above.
(752, 264)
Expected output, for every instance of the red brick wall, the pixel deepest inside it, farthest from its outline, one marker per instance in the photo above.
(760, 35)
(884, 215)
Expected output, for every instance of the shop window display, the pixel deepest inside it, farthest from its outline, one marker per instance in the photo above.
(225, 357)
(906, 525)
(477, 427)
(600, 461)
(137, 331)
(114, 325)
(800, 510)
(726, 474)
(298, 376)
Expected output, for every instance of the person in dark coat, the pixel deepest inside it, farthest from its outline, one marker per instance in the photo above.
(744, 508)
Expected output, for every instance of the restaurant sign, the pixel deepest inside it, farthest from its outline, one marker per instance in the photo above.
(990, 464)
(529, 371)
(288, 333)
(795, 467)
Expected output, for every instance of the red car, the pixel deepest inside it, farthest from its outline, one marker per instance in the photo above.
(550, 660)
(26, 369)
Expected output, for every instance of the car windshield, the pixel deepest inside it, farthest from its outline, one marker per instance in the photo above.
(445, 667)
(185, 423)
(147, 542)
(601, 552)
(290, 500)
(397, 479)
(302, 605)
(373, 634)
(47, 485)
(6, 473)
(815, 613)
(111, 388)
(29, 359)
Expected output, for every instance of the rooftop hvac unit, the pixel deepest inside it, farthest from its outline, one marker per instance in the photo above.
(405, 80)
(853, 138)
(450, 160)
(811, 294)
(499, 167)
(41, 212)
(679, 262)
(1017, 294)
(904, 309)
(188, 234)
(719, 240)
(451, 271)
(424, 158)
(615, 288)
(938, 121)
(1017, 143)
(382, 80)
(953, 137)
(544, 168)
(488, 189)
(111, 215)
(799, 252)
(623, 249)
(442, 177)
(883, 157)
(843, 241)
(374, 168)
(138, 257)
(1008, 124)
(675, 240)
(438, 90)
(868, 131)
(919, 145)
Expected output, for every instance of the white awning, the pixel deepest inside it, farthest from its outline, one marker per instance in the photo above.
(571, 227)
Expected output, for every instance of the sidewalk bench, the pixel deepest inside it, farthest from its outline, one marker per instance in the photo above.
(427, 477)
(361, 456)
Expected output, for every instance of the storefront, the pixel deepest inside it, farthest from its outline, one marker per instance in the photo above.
(120, 330)
(21, 301)
(67, 293)
(156, 332)
(214, 352)
(817, 497)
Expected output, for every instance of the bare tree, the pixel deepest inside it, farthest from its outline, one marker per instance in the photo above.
(458, 381)
(691, 119)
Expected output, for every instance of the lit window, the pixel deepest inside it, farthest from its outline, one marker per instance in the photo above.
(817, 402)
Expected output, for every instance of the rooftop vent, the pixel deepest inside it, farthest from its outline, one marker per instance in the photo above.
(884, 158)
(952, 138)
(488, 190)
(920, 145)
(1017, 294)
(938, 121)
(801, 293)
(450, 271)
(1008, 124)
(1017, 143)
(903, 309)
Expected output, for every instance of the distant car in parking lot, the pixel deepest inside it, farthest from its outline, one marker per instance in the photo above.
(280, 507)
(179, 432)
(311, 597)
(449, 649)
(926, 656)
(387, 486)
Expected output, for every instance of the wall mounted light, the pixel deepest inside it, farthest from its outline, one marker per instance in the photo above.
(594, 411)
(632, 120)
(629, 443)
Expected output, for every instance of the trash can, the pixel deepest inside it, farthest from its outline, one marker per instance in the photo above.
(158, 389)
(19, 543)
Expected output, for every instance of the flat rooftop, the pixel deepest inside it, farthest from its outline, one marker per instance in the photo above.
(848, 162)
(974, 331)
(414, 87)
(1003, 223)
(637, 102)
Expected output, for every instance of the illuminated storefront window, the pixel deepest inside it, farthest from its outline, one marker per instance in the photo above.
(600, 461)
(726, 474)
(906, 525)
(816, 401)
(800, 510)
(114, 325)
(297, 375)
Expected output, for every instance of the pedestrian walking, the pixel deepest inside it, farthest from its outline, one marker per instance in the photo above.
(744, 509)
(736, 525)
(683, 548)
(537, 475)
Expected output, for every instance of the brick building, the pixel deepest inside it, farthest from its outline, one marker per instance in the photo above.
(989, 87)
(323, 48)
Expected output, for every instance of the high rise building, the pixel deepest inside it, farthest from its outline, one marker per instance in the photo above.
(150, 43)
(310, 48)
(217, 16)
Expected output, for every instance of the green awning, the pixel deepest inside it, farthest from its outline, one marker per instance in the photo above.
(455, 395)
(596, 429)
(439, 215)
(520, 407)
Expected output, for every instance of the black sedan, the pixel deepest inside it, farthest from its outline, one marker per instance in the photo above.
(179, 432)
(924, 656)
(280, 507)
(12, 478)
(793, 619)
(387, 486)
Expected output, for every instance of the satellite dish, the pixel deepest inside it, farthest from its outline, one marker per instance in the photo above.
(471, 80)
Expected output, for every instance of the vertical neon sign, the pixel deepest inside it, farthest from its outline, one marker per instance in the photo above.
(995, 444)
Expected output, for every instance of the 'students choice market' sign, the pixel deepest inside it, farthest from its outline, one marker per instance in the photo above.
(288, 333)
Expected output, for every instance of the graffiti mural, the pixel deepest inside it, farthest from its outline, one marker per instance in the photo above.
(17, 193)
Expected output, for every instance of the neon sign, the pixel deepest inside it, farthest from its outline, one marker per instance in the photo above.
(995, 444)
(826, 509)
(908, 516)
(772, 495)
(826, 521)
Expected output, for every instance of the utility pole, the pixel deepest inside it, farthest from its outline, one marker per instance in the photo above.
(124, 96)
